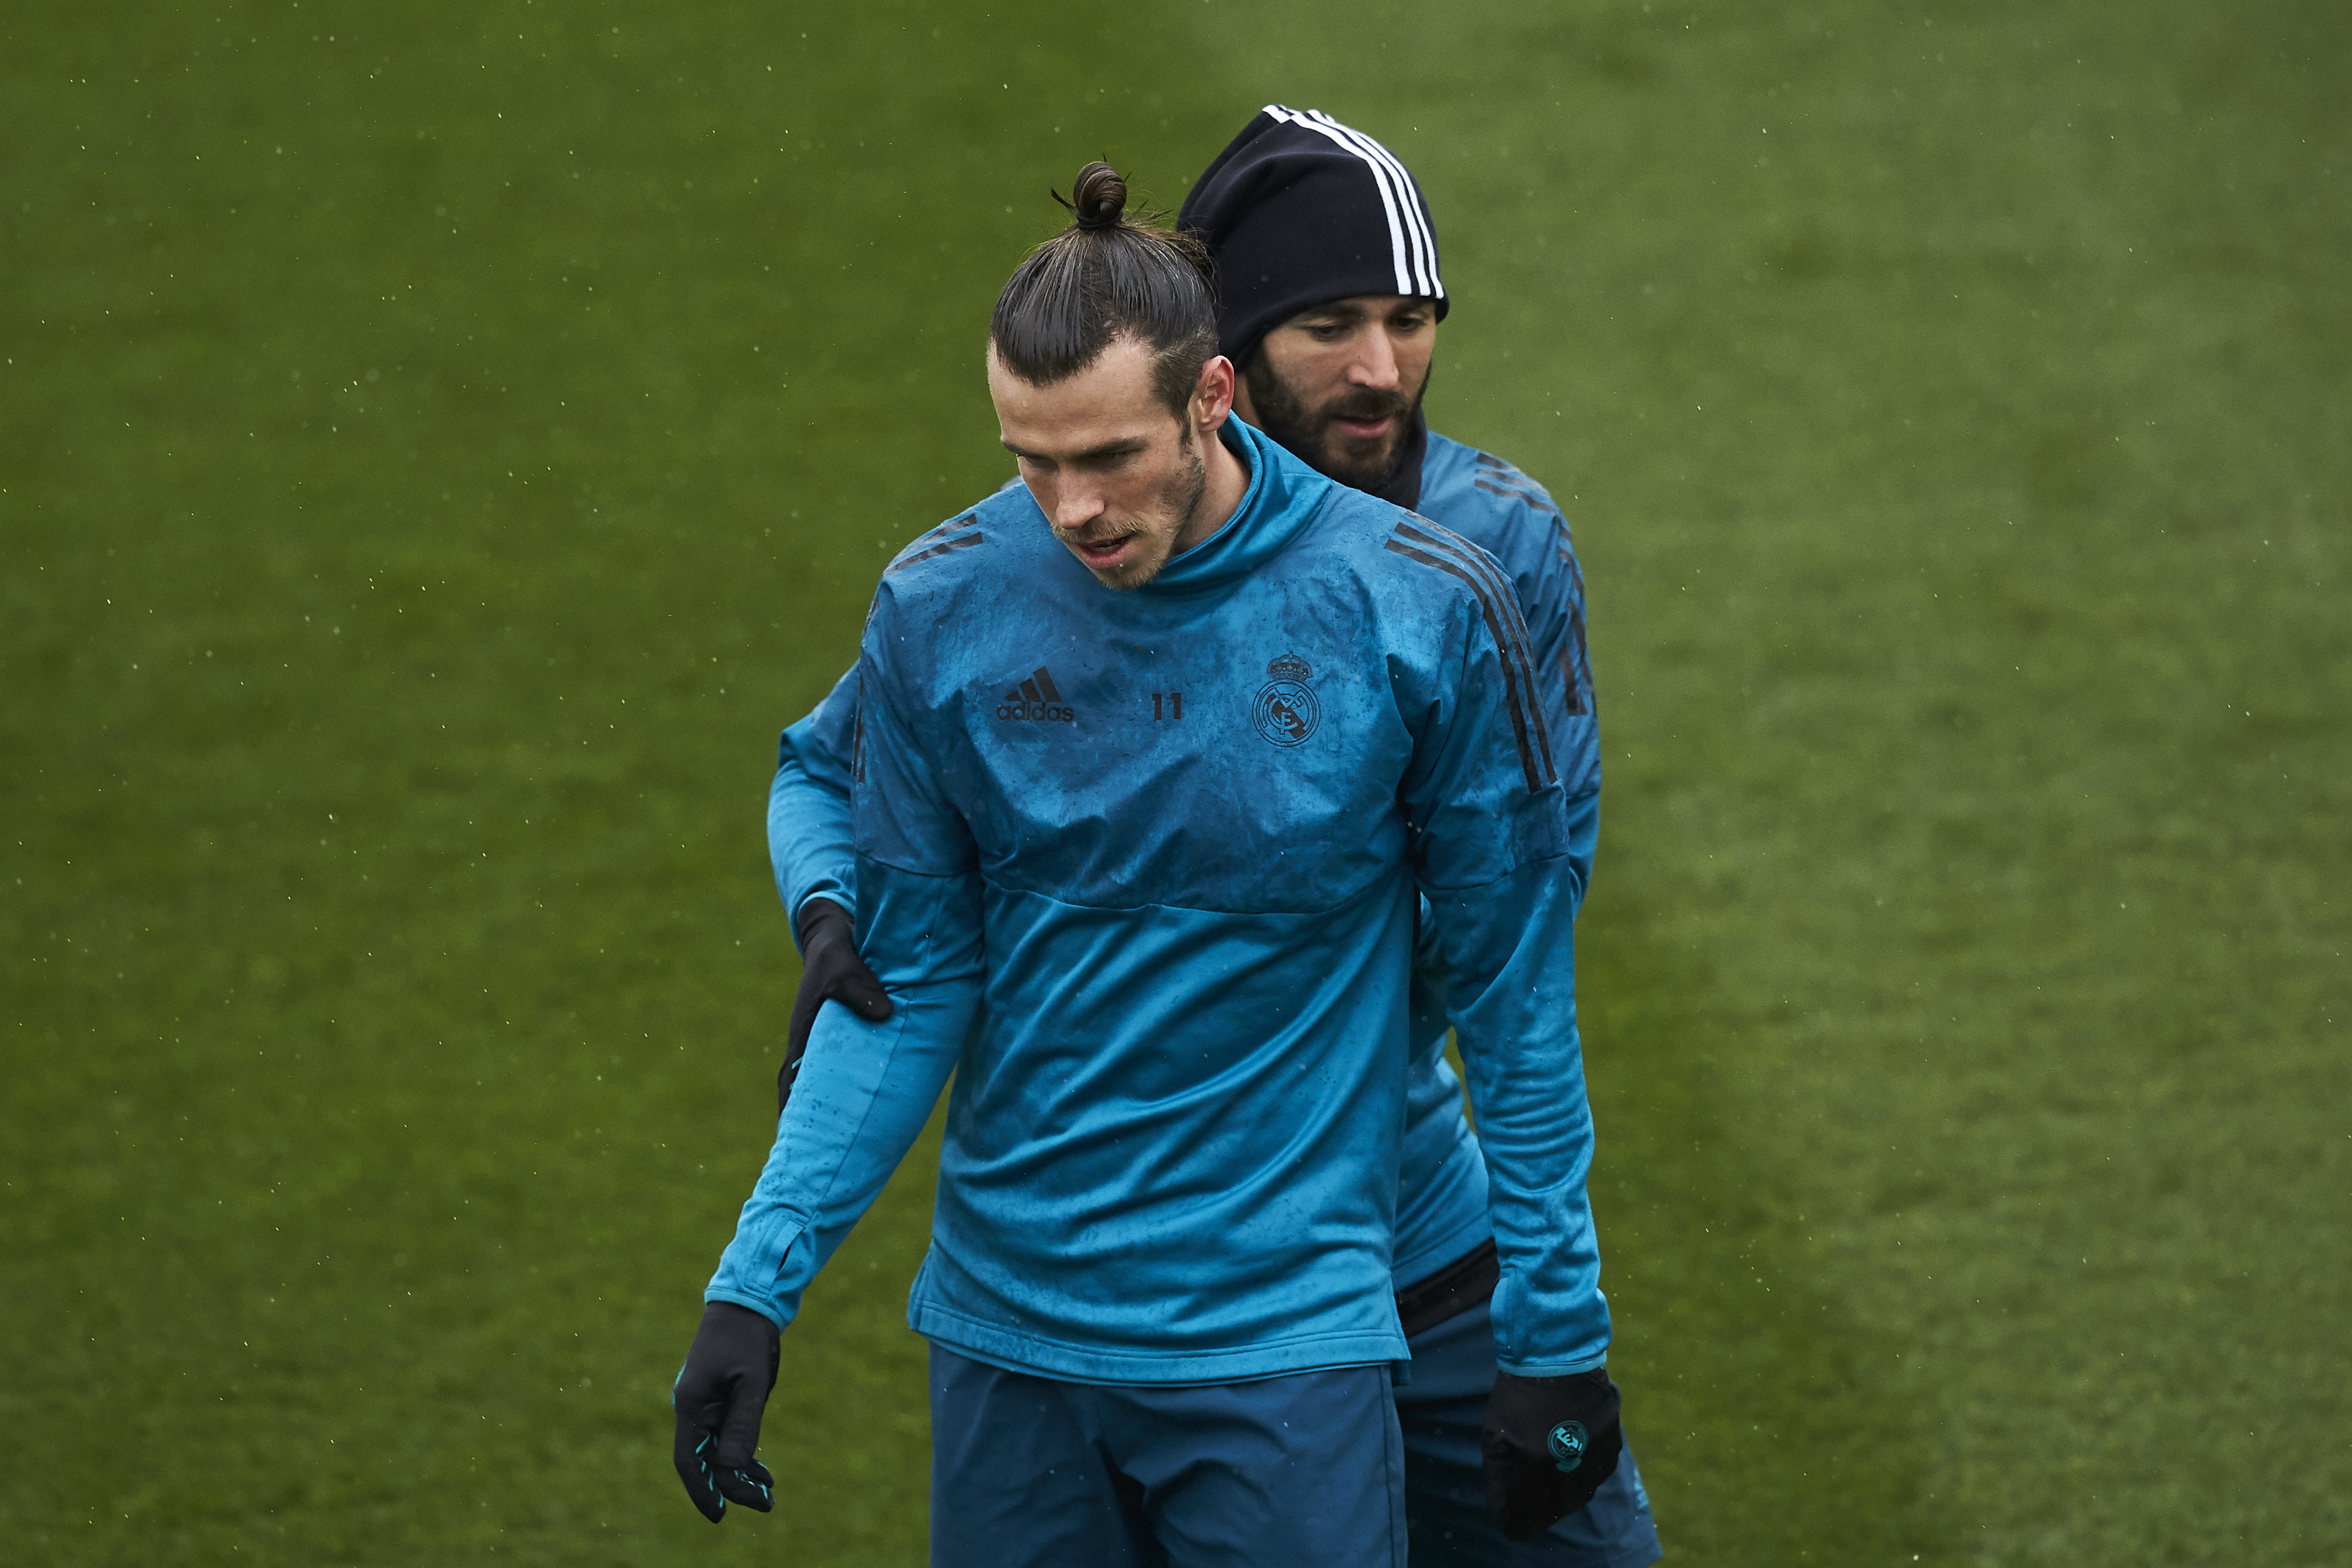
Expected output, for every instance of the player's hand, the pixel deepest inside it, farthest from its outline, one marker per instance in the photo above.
(1548, 1443)
(719, 1395)
(831, 970)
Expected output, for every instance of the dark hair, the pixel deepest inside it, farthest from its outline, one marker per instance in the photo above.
(1106, 276)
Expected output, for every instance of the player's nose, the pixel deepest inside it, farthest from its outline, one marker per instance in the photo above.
(1375, 363)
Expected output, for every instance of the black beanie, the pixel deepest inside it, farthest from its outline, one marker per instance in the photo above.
(1298, 210)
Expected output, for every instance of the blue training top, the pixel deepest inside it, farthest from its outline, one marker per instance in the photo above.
(1442, 1180)
(1168, 954)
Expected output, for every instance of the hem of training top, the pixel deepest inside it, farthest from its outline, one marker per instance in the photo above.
(1015, 1351)
(1431, 1258)
(1002, 1365)
(1554, 1368)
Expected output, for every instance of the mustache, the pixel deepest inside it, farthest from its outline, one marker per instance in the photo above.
(1366, 405)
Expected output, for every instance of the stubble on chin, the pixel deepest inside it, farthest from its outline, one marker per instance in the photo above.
(1126, 577)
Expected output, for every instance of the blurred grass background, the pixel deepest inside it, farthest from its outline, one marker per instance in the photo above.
(440, 445)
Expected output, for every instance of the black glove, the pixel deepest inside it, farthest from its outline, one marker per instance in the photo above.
(1549, 1442)
(831, 970)
(718, 1396)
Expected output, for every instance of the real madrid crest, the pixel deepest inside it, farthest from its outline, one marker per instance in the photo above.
(1285, 711)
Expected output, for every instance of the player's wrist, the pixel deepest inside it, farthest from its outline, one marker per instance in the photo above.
(819, 908)
(739, 1301)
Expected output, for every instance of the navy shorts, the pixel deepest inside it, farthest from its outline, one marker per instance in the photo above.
(1303, 1471)
(1441, 1411)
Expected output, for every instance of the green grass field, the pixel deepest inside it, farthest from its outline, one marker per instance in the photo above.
(441, 445)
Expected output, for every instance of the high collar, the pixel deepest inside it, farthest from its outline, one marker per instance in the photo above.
(1284, 494)
(1404, 486)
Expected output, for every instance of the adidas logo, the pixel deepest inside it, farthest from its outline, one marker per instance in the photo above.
(1036, 698)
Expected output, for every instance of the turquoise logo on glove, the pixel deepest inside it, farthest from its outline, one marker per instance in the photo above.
(1567, 1442)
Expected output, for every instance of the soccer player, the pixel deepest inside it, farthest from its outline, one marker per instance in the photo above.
(1157, 761)
(1329, 298)
(1329, 291)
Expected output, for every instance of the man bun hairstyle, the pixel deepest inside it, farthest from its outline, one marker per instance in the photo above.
(1103, 277)
(1099, 201)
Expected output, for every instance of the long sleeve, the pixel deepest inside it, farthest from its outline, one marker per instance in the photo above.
(1495, 840)
(1443, 1191)
(1504, 510)
(1555, 612)
(866, 1090)
(808, 805)
(1511, 949)
(1550, 588)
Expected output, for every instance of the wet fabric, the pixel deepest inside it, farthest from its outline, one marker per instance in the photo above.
(1144, 866)
(1440, 1212)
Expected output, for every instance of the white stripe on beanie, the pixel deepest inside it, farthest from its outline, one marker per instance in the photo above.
(1412, 248)
(1408, 198)
(1365, 148)
(1379, 181)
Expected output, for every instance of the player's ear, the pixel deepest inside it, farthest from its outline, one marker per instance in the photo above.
(1212, 395)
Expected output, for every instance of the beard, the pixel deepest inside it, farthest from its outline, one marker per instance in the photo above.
(1313, 435)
